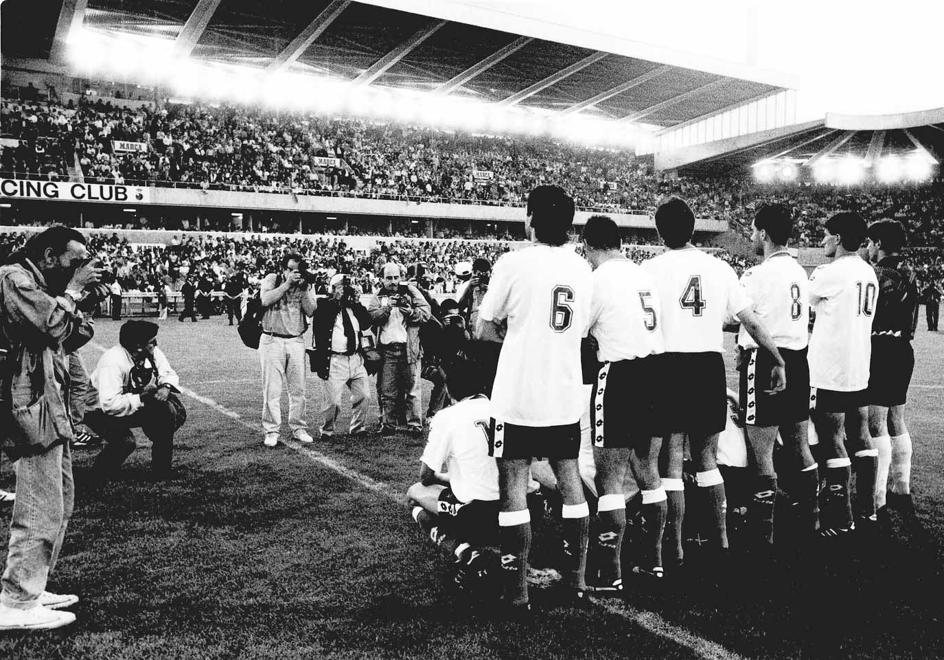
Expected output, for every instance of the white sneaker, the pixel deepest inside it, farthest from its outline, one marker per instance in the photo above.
(271, 439)
(303, 436)
(57, 601)
(34, 618)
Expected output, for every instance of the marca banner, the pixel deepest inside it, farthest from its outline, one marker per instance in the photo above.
(483, 175)
(324, 161)
(73, 192)
(122, 145)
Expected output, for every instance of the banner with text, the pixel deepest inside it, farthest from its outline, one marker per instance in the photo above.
(324, 161)
(73, 192)
(9, 142)
(483, 175)
(123, 145)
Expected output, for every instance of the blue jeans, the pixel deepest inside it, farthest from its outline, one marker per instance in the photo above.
(398, 381)
(45, 494)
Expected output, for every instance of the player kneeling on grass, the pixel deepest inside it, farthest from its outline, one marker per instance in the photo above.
(458, 508)
(624, 319)
(843, 295)
(136, 389)
(778, 290)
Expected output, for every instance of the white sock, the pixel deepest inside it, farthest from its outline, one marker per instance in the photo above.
(884, 446)
(900, 471)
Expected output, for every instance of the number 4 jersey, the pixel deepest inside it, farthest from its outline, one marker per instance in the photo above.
(842, 294)
(699, 293)
(544, 293)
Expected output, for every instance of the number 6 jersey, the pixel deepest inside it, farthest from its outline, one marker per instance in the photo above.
(544, 293)
(699, 293)
(843, 294)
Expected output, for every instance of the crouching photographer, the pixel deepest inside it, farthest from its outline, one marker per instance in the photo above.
(137, 388)
(338, 329)
(442, 349)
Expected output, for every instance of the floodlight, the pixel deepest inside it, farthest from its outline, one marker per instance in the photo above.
(788, 172)
(889, 169)
(919, 166)
(765, 171)
(850, 170)
(824, 170)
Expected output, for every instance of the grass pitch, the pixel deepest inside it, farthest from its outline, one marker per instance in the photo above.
(258, 552)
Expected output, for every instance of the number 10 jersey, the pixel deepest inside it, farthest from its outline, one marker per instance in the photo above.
(544, 293)
(698, 293)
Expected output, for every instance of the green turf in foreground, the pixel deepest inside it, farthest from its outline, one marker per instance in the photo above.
(265, 553)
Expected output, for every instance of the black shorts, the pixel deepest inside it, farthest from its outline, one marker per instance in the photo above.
(787, 407)
(622, 406)
(890, 371)
(474, 522)
(831, 401)
(513, 441)
(692, 393)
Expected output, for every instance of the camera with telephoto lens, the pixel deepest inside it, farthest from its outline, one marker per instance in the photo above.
(483, 278)
(308, 277)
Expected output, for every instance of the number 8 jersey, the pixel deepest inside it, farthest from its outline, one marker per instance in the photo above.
(699, 293)
(843, 294)
(544, 293)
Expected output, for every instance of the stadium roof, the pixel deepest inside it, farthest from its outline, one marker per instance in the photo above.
(376, 45)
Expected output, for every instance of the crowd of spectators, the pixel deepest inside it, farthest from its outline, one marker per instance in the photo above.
(240, 148)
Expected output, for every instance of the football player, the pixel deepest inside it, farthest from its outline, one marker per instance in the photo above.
(843, 295)
(458, 508)
(698, 293)
(538, 300)
(778, 290)
(624, 319)
(896, 317)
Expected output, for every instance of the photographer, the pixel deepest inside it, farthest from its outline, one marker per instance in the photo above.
(475, 290)
(136, 389)
(288, 302)
(336, 332)
(38, 292)
(442, 350)
(398, 310)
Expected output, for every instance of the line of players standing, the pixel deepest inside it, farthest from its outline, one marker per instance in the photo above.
(661, 385)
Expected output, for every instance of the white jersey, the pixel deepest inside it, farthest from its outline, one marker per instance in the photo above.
(843, 295)
(458, 438)
(625, 312)
(779, 292)
(544, 293)
(698, 293)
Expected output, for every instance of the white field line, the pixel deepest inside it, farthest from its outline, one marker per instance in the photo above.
(649, 621)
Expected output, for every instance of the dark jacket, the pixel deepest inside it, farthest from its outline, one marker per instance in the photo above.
(323, 326)
(896, 311)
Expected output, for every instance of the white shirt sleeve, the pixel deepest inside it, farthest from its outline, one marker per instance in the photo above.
(110, 382)
(493, 307)
(738, 299)
(822, 285)
(437, 446)
(165, 373)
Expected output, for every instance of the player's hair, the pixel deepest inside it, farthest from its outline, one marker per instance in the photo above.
(776, 220)
(135, 333)
(890, 232)
(552, 214)
(448, 303)
(291, 256)
(675, 222)
(465, 378)
(850, 227)
(56, 237)
(601, 233)
(481, 264)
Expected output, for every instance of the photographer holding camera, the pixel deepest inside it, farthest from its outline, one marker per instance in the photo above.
(336, 332)
(39, 289)
(398, 310)
(475, 290)
(288, 301)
